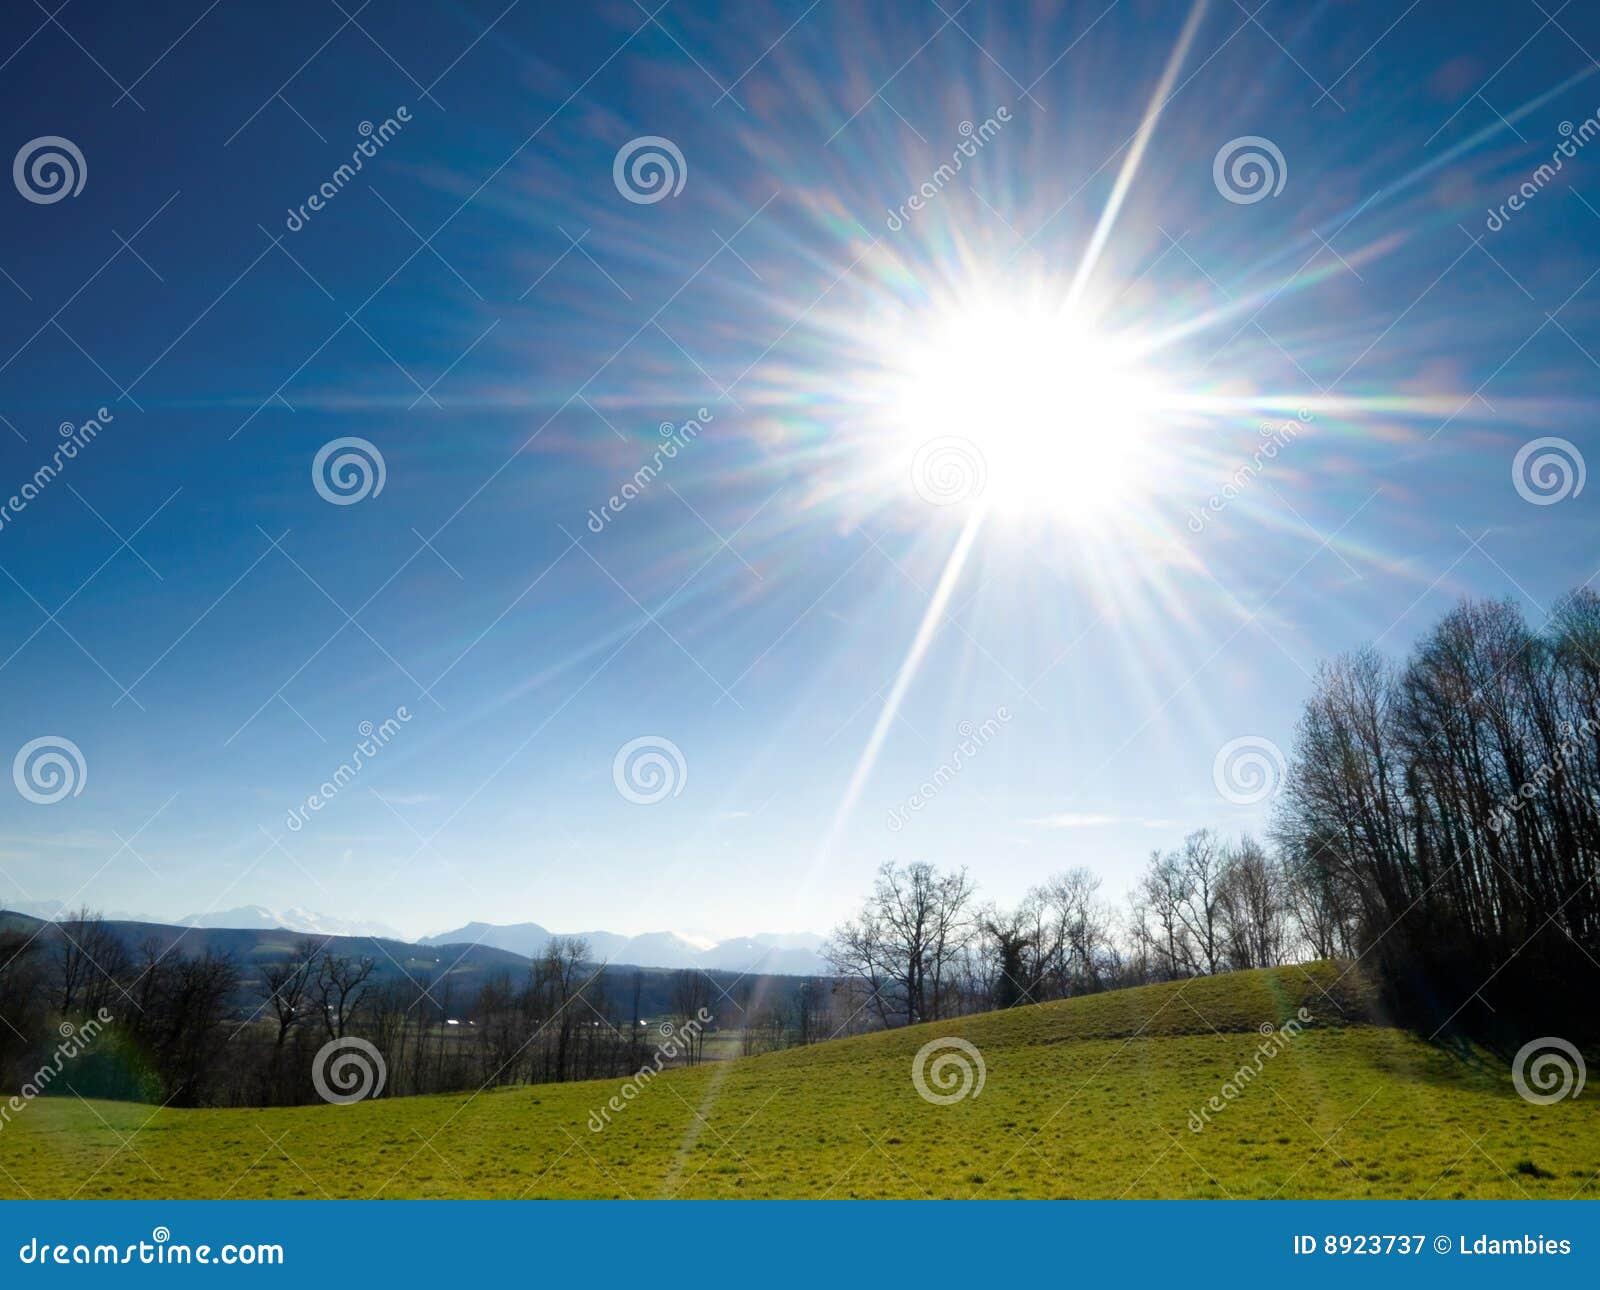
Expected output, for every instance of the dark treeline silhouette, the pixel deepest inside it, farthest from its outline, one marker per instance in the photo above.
(201, 1029)
(1450, 807)
(168, 1012)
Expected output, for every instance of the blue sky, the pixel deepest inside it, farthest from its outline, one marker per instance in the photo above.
(485, 305)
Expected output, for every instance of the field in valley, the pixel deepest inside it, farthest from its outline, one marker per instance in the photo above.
(1092, 1097)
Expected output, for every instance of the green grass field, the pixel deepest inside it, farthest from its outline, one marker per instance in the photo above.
(1086, 1098)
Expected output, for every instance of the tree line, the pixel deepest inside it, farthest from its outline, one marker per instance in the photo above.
(1438, 824)
(205, 1029)
(923, 946)
(1449, 806)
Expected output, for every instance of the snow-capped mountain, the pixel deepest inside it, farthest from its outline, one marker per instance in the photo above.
(781, 953)
(294, 919)
(55, 911)
(792, 953)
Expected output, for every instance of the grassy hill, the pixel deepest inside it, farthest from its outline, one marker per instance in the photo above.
(1087, 1098)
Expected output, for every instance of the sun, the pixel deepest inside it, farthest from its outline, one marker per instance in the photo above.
(1024, 409)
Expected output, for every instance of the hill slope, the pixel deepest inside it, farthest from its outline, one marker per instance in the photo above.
(1088, 1098)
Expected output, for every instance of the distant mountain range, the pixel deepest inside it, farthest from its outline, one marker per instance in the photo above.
(452, 974)
(244, 918)
(781, 953)
(785, 953)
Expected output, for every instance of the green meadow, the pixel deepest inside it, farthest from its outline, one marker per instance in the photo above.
(1091, 1097)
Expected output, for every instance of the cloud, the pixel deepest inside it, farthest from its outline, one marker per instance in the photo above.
(1085, 820)
(1073, 820)
(408, 799)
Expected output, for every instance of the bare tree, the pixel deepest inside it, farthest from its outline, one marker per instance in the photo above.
(1252, 901)
(285, 986)
(1082, 930)
(182, 1025)
(1159, 904)
(1448, 811)
(1200, 867)
(1318, 897)
(23, 1001)
(691, 994)
(341, 984)
(806, 1013)
(907, 938)
(90, 963)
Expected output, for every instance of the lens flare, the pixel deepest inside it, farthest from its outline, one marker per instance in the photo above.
(1057, 419)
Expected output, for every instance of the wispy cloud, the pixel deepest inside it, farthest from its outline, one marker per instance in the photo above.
(1085, 820)
(410, 799)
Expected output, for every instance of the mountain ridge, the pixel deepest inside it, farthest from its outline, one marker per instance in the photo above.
(787, 953)
(783, 953)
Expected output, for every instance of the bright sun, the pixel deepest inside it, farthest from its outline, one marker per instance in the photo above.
(1025, 410)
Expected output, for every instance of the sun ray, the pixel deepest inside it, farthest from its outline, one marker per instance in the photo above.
(931, 618)
(1130, 164)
